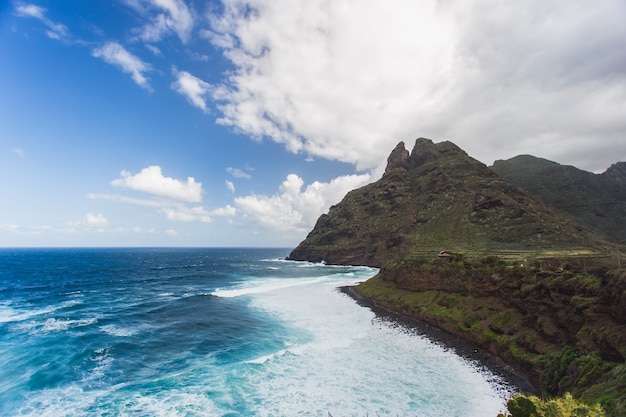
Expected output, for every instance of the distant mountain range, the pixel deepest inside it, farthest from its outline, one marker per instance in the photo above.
(596, 200)
(439, 198)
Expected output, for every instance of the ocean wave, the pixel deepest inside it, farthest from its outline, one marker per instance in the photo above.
(52, 325)
(266, 285)
(9, 314)
(119, 331)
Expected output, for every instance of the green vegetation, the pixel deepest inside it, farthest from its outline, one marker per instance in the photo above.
(595, 200)
(493, 303)
(438, 198)
(528, 279)
(566, 406)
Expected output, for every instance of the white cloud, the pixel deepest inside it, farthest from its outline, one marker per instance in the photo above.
(151, 180)
(294, 209)
(96, 220)
(227, 211)
(165, 16)
(171, 197)
(344, 82)
(19, 152)
(237, 173)
(55, 30)
(146, 202)
(230, 186)
(181, 213)
(156, 51)
(31, 10)
(171, 232)
(115, 54)
(193, 88)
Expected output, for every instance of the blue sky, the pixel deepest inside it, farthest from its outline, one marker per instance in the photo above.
(233, 123)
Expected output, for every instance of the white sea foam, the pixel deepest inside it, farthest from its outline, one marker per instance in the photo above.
(263, 286)
(53, 324)
(9, 314)
(355, 364)
(119, 331)
(269, 357)
(166, 294)
(75, 401)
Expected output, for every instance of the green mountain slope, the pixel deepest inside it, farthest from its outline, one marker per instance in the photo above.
(438, 198)
(552, 302)
(596, 200)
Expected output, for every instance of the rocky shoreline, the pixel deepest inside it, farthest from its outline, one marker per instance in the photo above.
(515, 378)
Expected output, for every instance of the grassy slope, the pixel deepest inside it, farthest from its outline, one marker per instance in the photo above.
(473, 301)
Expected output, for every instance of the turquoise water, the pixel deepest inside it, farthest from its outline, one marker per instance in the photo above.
(213, 332)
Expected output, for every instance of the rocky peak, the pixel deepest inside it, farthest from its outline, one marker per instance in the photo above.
(436, 198)
(398, 159)
(616, 172)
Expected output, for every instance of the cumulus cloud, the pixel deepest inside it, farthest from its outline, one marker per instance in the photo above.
(152, 181)
(339, 82)
(230, 186)
(193, 88)
(115, 54)
(171, 197)
(55, 30)
(96, 220)
(293, 208)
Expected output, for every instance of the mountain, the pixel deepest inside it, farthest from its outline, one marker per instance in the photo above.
(596, 200)
(525, 281)
(438, 198)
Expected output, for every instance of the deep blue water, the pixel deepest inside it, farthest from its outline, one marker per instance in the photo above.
(212, 332)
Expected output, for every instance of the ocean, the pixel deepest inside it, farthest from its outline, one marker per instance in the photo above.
(214, 332)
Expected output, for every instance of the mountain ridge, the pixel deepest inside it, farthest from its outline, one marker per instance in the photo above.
(524, 281)
(597, 201)
(438, 198)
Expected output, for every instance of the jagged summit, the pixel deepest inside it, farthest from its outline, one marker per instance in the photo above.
(437, 197)
(398, 159)
(616, 172)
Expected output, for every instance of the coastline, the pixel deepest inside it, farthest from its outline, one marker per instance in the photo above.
(484, 360)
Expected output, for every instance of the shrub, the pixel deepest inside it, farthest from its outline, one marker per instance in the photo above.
(521, 406)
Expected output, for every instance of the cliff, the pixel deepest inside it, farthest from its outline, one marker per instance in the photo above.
(438, 198)
(526, 280)
(563, 327)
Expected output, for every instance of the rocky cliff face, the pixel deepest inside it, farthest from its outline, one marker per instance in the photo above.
(437, 198)
(616, 172)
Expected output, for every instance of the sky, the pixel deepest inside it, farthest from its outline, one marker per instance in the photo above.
(238, 123)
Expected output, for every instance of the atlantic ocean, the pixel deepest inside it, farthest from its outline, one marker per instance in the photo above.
(214, 332)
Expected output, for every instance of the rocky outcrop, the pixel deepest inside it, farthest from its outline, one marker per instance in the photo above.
(436, 198)
(616, 172)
